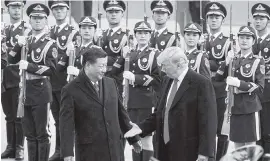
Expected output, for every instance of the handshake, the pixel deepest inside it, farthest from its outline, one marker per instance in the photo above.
(135, 130)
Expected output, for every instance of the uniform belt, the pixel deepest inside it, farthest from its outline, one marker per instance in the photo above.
(13, 64)
(237, 91)
(33, 76)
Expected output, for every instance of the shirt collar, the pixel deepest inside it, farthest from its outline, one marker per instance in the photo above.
(141, 49)
(39, 36)
(245, 56)
(181, 77)
(191, 50)
(86, 45)
(61, 26)
(17, 24)
(160, 30)
(115, 29)
(263, 37)
(215, 35)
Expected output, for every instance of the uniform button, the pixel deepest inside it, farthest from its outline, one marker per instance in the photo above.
(7, 41)
(237, 71)
(133, 71)
(28, 55)
(269, 81)
(106, 47)
(249, 85)
(41, 83)
(161, 49)
(148, 89)
(268, 67)
(62, 44)
(77, 60)
(143, 78)
(265, 56)
(134, 64)
(107, 123)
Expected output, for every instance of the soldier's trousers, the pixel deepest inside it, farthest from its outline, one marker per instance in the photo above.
(55, 108)
(222, 143)
(265, 126)
(36, 128)
(15, 137)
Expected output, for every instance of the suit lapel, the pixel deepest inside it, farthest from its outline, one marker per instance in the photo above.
(87, 89)
(182, 88)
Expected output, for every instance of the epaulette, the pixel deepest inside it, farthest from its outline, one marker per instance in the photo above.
(124, 29)
(95, 46)
(153, 49)
(257, 56)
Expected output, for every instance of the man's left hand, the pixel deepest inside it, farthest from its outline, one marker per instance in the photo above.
(202, 158)
(23, 64)
(135, 130)
(129, 75)
(137, 146)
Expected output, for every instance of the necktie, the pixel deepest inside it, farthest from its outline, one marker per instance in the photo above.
(11, 27)
(167, 109)
(259, 44)
(110, 32)
(212, 39)
(96, 88)
(57, 29)
(33, 39)
(156, 34)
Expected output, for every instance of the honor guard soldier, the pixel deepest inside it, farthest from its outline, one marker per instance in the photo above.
(217, 47)
(87, 31)
(198, 60)
(114, 38)
(248, 84)
(64, 35)
(41, 53)
(143, 78)
(11, 79)
(261, 16)
(161, 37)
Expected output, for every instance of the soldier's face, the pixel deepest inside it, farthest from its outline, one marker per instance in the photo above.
(114, 16)
(97, 70)
(191, 38)
(260, 22)
(160, 17)
(245, 41)
(143, 37)
(214, 21)
(38, 23)
(87, 32)
(15, 11)
(60, 12)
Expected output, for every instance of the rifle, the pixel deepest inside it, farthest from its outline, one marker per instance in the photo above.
(22, 84)
(71, 54)
(177, 38)
(99, 23)
(126, 67)
(230, 94)
(202, 47)
(248, 23)
(144, 10)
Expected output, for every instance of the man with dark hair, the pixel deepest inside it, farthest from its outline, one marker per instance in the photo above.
(91, 106)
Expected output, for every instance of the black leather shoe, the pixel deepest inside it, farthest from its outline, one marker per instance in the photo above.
(19, 155)
(8, 153)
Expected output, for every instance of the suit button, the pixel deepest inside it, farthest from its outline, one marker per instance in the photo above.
(107, 123)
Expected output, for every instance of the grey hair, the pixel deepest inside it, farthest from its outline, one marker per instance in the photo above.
(174, 55)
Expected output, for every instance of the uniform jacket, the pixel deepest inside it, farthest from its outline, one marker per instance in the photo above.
(113, 44)
(62, 38)
(163, 40)
(97, 121)
(198, 61)
(192, 119)
(11, 77)
(42, 58)
(217, 52)
(264, 51)
(79, 51)
(251, 78)
(147, 80)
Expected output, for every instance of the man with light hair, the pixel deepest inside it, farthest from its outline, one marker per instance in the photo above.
(185, 119)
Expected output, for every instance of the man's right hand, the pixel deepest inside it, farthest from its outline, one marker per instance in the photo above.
(229, 57)
(69, 158)
(135, 130)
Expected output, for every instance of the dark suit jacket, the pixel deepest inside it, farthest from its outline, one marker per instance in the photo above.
(98, 124)
(192, 120)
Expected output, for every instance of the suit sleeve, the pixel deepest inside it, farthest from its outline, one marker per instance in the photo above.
(205, 67)
(124, 119)
(50, 63)
(66, 123)
(207, 119)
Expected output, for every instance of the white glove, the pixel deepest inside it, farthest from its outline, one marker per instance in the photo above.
(70, 48)
(229, 57)
(21, 40)
(202, 158)
(125, 50)
(23, 64)
(98, 34)
(202, 40)
(129, 75)
(73, 70)
(70, 158)
(233, 81)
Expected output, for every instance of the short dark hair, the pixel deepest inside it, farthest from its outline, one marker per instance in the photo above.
(92, 54)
